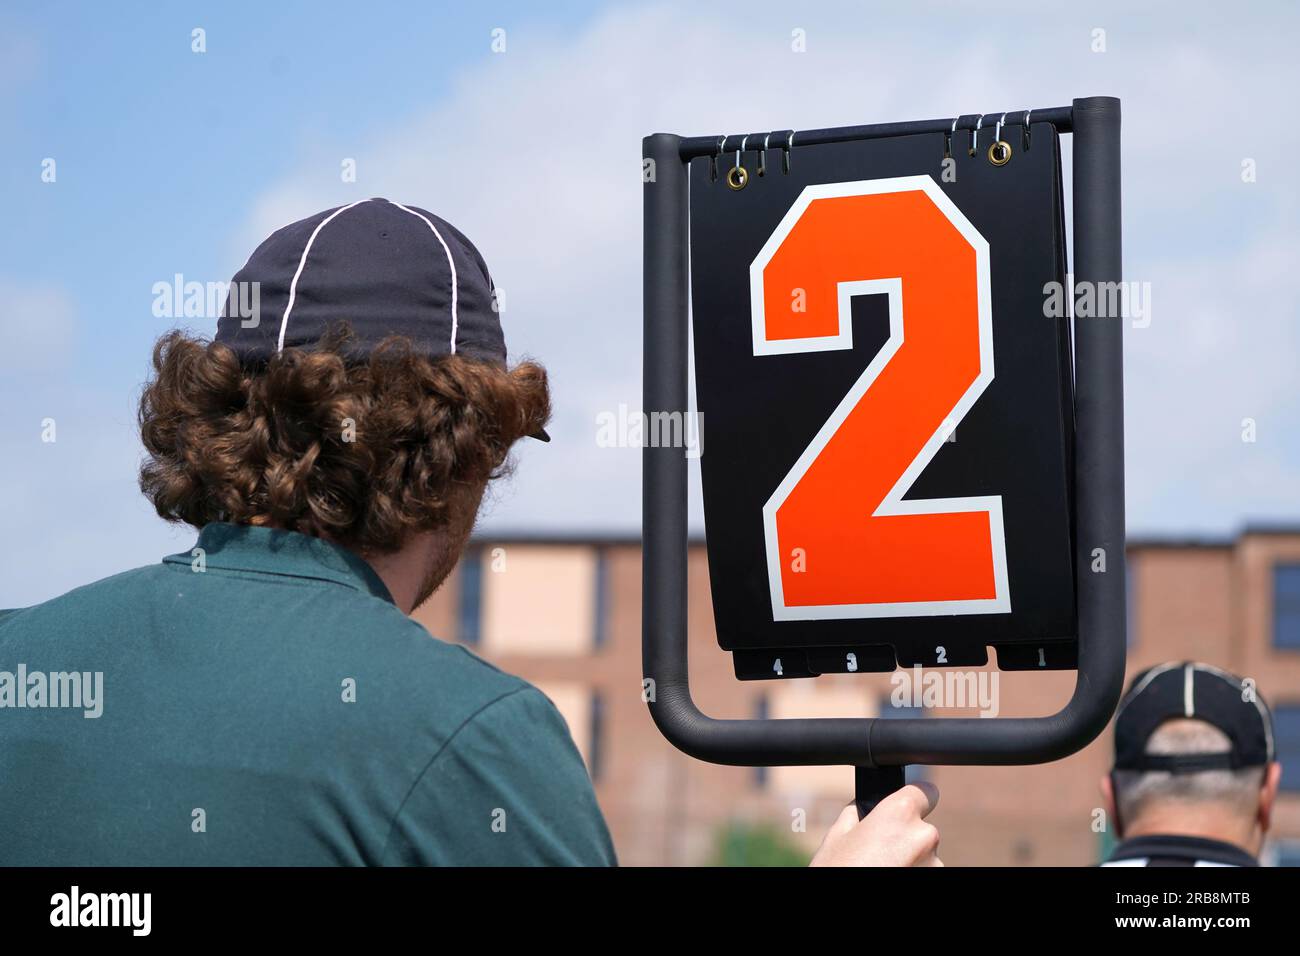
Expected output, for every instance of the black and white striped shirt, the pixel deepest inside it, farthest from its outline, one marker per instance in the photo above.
(1173, 850)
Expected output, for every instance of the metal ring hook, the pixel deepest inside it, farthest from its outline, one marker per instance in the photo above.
(1024, 131)
(975, 136)
(762, 157)
(785, 152)
(713, 160)
(1000, 151)
(738, 176)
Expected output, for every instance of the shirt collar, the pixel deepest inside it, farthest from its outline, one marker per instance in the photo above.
(232, 547)
(1183, 848)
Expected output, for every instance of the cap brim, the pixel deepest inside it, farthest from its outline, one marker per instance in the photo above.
(540, 435)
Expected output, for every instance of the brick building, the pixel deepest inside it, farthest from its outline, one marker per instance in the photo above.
(565, 613)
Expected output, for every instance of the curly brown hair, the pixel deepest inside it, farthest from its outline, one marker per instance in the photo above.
(365, 452)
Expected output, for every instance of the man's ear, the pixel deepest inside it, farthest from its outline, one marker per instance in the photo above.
(1107, 796)
(1268, 794)
(1110, 791)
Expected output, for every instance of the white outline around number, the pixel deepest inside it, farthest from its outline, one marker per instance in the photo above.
(893, 503)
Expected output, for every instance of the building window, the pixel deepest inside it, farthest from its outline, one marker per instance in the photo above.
(1286, 606)
(469, 609)
(596, 735)
(539, 600)
(1286, 744)
(913, 772)
(601, 603)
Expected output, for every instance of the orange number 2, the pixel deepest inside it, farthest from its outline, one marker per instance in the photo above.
(841, 540)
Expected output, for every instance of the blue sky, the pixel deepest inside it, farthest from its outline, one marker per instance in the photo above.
(172, 161)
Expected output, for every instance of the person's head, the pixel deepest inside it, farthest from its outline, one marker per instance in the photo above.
(367, 400)
(1193, 757)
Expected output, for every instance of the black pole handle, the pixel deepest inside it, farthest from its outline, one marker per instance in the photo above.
(873, 784)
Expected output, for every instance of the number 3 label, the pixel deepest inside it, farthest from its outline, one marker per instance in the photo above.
(863, 551)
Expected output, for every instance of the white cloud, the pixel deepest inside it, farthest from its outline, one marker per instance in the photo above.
(1222, 347)
(535, 155)
(73, 512)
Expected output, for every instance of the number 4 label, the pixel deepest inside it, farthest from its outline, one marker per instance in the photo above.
(870, 552)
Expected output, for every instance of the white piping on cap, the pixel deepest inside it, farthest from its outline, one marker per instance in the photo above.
(1189, 696)
(1151, 675)
(1232, 680)
(302, 263)
(455, 282)
(1189, 702)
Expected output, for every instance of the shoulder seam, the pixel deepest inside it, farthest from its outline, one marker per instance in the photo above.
(392, 825)
(470, 655)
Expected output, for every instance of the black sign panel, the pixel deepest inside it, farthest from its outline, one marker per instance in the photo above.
(883, 378)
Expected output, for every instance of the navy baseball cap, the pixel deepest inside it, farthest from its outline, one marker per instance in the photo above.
(1196, 691)
(384, 268)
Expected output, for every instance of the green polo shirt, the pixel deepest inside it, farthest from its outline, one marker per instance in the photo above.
(261, 700)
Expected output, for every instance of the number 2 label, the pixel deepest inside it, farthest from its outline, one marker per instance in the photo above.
(869, 552)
